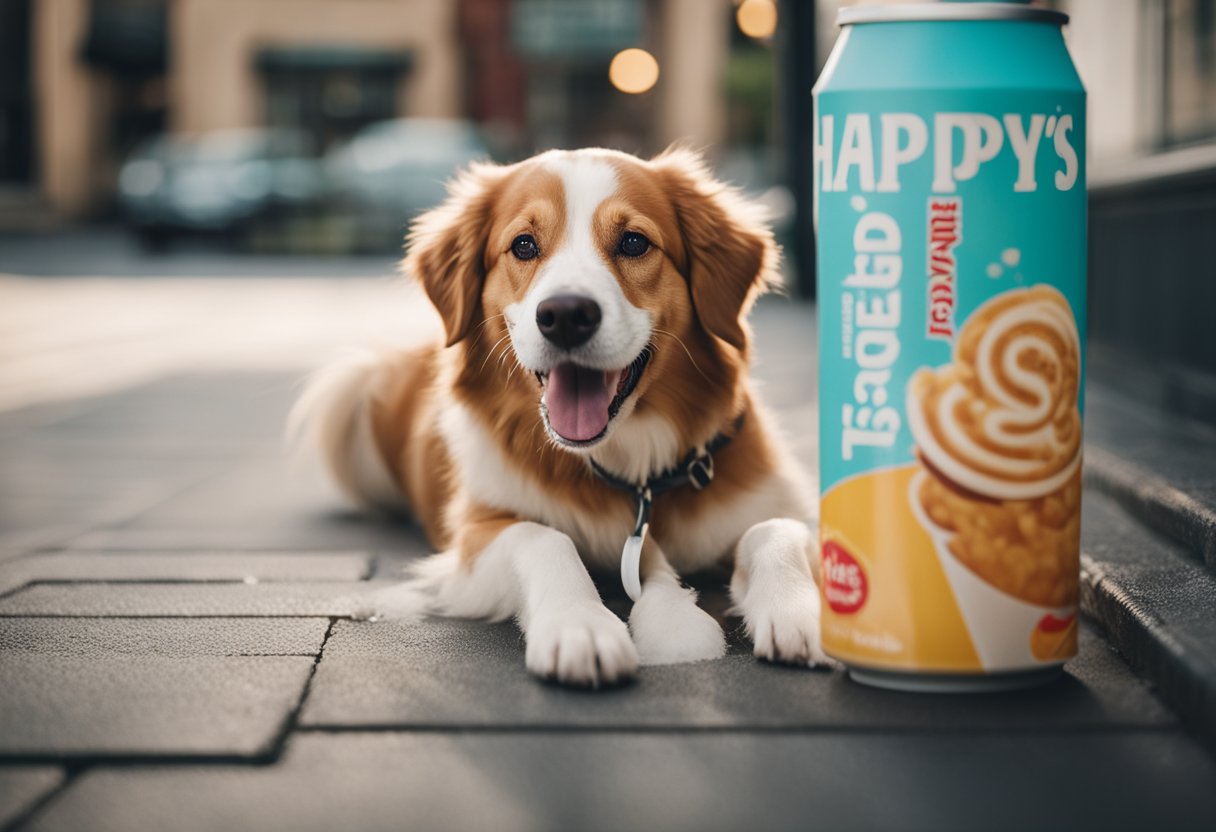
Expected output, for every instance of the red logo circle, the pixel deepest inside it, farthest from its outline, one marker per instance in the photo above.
(1051, 624)
(844, 581)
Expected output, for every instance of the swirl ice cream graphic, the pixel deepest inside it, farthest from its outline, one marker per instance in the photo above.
(998, 436)
(1002, 419)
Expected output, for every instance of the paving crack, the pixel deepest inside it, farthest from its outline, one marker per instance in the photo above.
(292, 723)
(70, 773)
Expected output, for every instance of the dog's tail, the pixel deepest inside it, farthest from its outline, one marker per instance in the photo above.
(333, 416)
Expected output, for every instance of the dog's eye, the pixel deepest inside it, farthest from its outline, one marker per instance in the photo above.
(524, 247)
(633, 244)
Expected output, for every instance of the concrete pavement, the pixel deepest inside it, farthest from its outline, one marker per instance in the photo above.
(177, 649)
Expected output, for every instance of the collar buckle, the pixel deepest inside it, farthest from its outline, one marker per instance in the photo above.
(697, 472)
(701, 471)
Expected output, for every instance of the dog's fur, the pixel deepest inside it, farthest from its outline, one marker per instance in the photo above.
(455, 431)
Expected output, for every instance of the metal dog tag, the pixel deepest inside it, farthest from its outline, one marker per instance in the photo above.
(631, 563)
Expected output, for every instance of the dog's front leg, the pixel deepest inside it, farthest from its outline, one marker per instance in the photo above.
(667, 625)
(534, 573)
(774, 589)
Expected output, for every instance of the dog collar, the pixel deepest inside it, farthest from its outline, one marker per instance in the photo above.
(696, 469)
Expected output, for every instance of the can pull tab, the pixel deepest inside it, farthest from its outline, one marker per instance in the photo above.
(631, 555)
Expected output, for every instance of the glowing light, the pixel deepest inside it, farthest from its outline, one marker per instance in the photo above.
(633, 71)
(757, 18)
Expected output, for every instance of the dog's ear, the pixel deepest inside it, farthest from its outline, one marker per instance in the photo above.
(729, 256)
(446, 248)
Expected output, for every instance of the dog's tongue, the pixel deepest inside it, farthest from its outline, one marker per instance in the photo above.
(577, 400)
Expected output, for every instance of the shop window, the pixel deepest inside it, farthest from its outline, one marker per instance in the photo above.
(331, 93)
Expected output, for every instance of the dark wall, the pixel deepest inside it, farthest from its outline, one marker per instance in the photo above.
(16, 111)
(797, 70)
(1152, 289)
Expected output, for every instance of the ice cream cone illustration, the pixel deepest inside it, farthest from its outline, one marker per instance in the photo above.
(998, 435)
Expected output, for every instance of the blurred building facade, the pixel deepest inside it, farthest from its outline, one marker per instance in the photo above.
(106, 74)
(83, 82)
(1149, 67)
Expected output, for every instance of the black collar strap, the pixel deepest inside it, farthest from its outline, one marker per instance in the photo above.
(696, 469)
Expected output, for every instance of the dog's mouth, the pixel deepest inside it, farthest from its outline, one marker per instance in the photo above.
(578, 403)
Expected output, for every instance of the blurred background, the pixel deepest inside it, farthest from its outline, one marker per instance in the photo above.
(322, 126)
(162, 138)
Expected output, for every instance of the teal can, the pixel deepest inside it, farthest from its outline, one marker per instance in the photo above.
(951, 239)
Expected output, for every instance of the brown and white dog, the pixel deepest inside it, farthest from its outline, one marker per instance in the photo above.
(594, 307)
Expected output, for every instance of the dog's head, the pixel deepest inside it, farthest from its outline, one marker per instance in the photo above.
(620, 285)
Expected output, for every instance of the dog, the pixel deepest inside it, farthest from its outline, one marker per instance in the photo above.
(591, 389)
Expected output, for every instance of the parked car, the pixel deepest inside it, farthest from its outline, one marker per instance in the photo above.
(391, 171)
(219, 182)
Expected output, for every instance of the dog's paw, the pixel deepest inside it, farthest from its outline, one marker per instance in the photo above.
(583, 645)
(785, 629)
(669, 628)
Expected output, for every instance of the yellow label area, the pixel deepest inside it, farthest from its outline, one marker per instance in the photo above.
(887, 602)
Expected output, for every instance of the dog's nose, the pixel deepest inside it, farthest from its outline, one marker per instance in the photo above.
(568, 320)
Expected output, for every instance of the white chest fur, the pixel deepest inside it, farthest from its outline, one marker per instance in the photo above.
(690, 544)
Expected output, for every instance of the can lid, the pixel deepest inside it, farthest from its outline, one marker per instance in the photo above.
(949, 10)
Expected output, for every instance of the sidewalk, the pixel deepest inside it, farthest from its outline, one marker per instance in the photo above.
(176, 653)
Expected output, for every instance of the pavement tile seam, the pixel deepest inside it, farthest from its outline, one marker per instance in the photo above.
(740, 730)
(130, 707)
(13, 590)
(178, 551)
(81, 544)
(40, 540)
(140, 582)
(184, 599)
(164, 581)
(76, 764)
(112, 616)
(114, 551)
(81, 763)
(280, 655)
(292, 723)
(215, 636)
(70, 773)
(226, 655)
(168, 581)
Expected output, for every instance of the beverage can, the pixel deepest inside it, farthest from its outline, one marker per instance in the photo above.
(951, 235)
